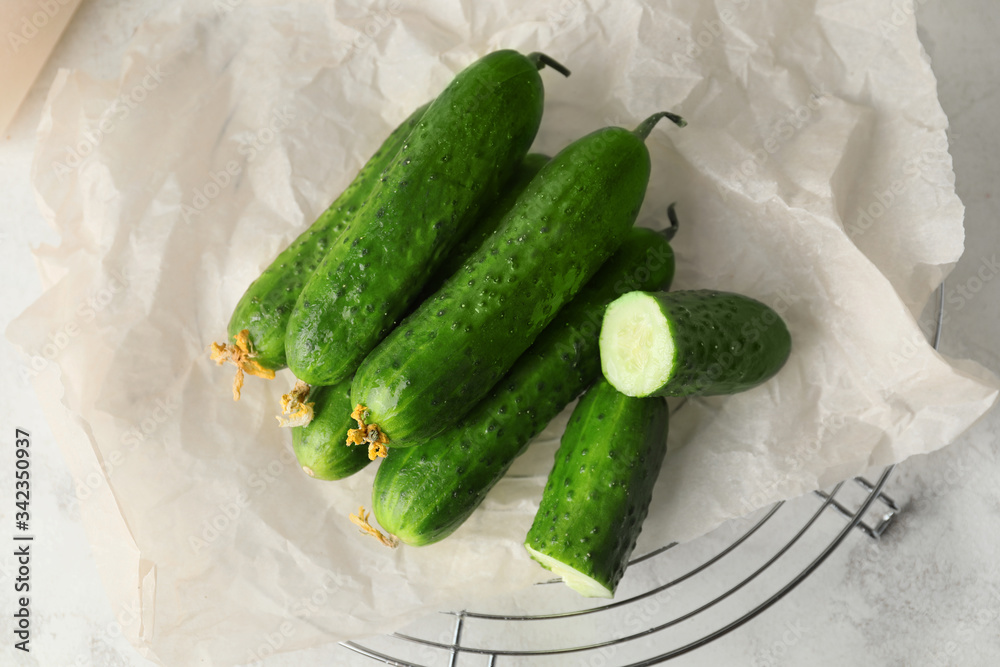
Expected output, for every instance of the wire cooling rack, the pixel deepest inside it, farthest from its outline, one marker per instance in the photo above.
(672, 600)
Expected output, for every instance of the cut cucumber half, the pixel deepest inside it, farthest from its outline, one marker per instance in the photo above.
(686, 343)
(598, 492)
(586, 586)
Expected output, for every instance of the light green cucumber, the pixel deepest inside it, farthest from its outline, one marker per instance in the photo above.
(320, 447)
(464, 149)
(599, 490)
(265, 307)
(698, 342)
(444, 358)
(423, 494)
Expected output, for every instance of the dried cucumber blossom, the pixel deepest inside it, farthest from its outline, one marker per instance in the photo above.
(369, 434)
(361, 521)
(241, 354)
(294, 409)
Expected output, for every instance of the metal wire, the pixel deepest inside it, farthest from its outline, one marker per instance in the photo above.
(855, 521)
(455, 648)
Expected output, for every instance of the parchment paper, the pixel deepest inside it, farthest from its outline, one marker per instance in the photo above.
(814, 176)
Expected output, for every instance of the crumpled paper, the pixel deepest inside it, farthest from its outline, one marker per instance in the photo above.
(814, 175)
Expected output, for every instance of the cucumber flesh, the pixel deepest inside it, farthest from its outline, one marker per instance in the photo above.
(698, 342)
(637, 350)
(586, 586)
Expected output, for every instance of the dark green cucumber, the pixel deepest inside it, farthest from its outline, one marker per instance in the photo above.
(466, 146)
(598, 492)
(489, 221)
(442, 359)
(423, 494)
(265, 307)
(320, 446)
(691, 343)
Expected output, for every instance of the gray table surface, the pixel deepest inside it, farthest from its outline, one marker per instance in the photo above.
(927, 594)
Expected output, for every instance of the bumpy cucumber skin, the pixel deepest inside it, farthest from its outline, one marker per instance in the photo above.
(265, 307)
(423, 494)
(598, 492)
(465, 147)
(725, 343)
(489, 221)
(320, 447)
(442, 359)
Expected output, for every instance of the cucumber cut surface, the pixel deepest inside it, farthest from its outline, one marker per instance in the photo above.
(636, 344)
(586, 586)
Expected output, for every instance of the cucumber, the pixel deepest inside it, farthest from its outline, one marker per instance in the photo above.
(465, 147)
(442, 359)
(685, 343)
(423, 494)
(320, 446)
(265, 307)
(488, 222)
(598, 492)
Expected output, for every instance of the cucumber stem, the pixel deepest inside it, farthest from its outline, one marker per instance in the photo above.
(541, 60)
(671, 231)
(646, 126)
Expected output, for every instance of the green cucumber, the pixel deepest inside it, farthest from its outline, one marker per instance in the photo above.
(423, 494)
(698, 342)
(599, 490)
(464, 149)
(488, 222)
(442, 359)
(320, 446)
(265, 307)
